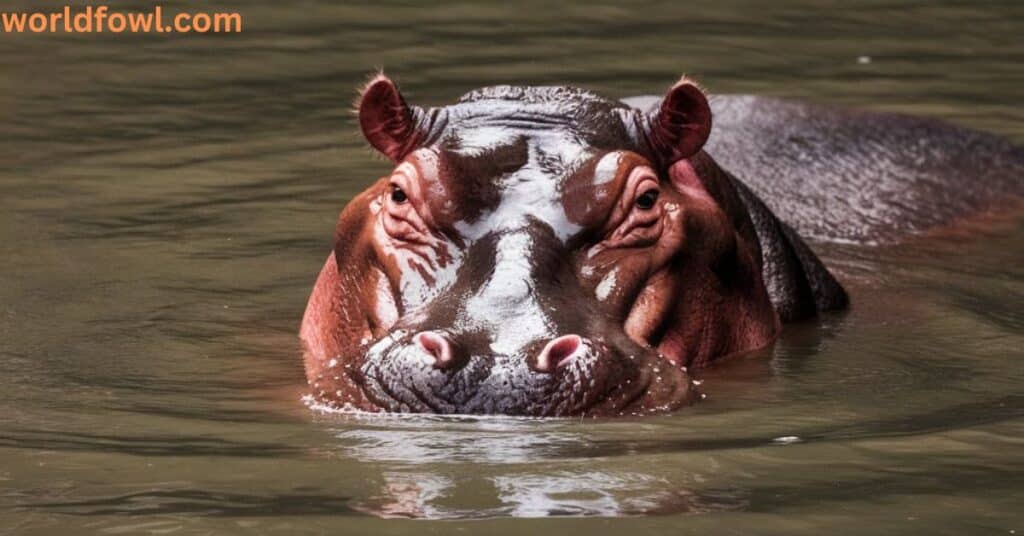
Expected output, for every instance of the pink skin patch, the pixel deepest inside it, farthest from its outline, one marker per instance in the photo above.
(686, 180)
(439, 352)
(560, 351)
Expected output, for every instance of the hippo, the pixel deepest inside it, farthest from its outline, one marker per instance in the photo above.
(547, 252)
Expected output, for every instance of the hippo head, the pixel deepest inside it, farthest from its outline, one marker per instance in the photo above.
(533, 251)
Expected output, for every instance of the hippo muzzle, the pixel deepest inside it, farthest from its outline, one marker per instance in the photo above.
(402, 373)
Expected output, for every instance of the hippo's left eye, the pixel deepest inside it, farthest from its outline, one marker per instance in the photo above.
(397, 195)
(647, 199)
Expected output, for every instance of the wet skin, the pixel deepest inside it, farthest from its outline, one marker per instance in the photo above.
(548, 252)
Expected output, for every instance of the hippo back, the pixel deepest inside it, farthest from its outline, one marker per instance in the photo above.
(858, 176)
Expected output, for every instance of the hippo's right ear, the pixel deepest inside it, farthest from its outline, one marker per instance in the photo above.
(388, 123)
(680, 126)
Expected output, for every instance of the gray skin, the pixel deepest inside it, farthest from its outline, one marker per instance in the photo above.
(850, 176)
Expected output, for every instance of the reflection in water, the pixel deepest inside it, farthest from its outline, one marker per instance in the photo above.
(415, 495)
(551, 494)
(518, 443)
(567, 493)
(513, 467)
(597, 494)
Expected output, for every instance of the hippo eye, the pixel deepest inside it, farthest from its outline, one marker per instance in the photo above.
(397, 195)
(647, 199)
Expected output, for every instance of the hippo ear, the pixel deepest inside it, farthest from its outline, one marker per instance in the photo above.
(388, 123)
(681, 125)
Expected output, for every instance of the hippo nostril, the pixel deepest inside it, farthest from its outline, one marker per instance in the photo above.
(559, 352)
(437, 347)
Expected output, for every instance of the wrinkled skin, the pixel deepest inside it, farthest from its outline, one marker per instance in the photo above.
(547, 252)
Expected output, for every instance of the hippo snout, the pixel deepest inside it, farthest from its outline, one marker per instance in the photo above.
(433, 371)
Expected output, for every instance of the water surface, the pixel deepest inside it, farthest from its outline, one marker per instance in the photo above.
(166, 203)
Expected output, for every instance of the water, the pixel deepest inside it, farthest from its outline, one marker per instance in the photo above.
(166, 203)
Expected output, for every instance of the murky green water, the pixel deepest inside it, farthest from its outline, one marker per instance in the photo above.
(166, 202)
